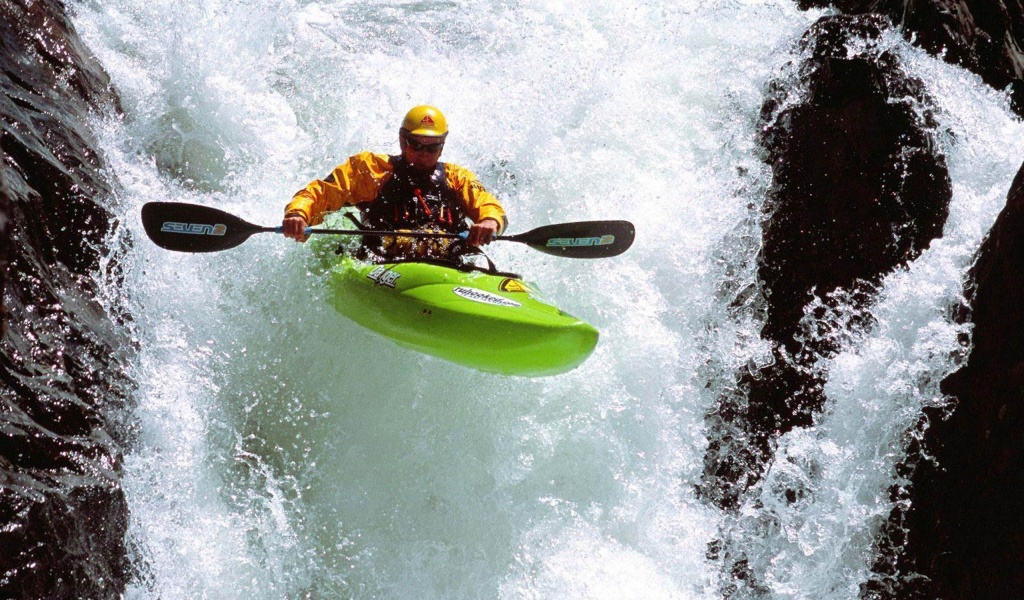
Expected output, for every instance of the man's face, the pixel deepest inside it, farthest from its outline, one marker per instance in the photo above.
(420, 151)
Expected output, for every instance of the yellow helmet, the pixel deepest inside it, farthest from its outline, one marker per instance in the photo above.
(425, 120)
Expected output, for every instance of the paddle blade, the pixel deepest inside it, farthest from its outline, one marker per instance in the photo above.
(193, 228)
(584, 239)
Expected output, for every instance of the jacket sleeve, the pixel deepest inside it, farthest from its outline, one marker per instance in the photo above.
(354, 181)
(480, 204)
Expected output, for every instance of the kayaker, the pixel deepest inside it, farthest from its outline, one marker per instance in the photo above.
(412, 191)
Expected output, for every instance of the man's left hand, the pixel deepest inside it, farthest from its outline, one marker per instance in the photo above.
(482, 233)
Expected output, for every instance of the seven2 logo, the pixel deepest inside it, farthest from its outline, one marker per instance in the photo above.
(604, 240)
(194, 228)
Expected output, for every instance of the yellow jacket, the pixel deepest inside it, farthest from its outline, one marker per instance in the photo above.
(361, 178)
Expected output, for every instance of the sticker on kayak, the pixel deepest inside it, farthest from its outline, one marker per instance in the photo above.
(513, 285)
(604, 240)
(485, 297)
(383, 276)
(194, 228)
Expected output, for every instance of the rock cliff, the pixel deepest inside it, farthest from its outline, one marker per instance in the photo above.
(64, 387)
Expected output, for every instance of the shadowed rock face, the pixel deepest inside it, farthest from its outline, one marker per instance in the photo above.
(858, 191)
(983, 36)
(965, 528)
(963, 535)
(62, 359)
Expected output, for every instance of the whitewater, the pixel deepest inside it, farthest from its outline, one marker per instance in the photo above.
(283, 452)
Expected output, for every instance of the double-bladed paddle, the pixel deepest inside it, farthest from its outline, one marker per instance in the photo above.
(194, 228)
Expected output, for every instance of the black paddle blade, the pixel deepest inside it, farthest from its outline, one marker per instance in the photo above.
(193, 228)
(584, 239)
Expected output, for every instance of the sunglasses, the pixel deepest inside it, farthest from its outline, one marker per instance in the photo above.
(421, 147)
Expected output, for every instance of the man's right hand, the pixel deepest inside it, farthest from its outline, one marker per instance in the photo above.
(294, 227)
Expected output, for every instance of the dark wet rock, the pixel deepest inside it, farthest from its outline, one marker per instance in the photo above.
(963, 534)
(984, 36)
(858, 191)
(63, 357)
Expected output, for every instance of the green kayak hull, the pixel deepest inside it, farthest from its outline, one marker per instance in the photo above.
(491, 322)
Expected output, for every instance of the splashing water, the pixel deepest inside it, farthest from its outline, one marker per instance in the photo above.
(285, 452)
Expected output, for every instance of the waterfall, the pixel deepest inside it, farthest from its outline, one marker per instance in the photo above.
(282, 451)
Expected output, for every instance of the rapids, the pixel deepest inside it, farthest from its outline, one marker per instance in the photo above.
(285, 452)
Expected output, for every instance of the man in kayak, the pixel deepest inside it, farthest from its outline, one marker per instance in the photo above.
(412, 191)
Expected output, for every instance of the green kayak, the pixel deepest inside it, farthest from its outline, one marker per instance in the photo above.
(488, 321)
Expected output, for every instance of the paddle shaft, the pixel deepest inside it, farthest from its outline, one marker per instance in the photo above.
(408, 234)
